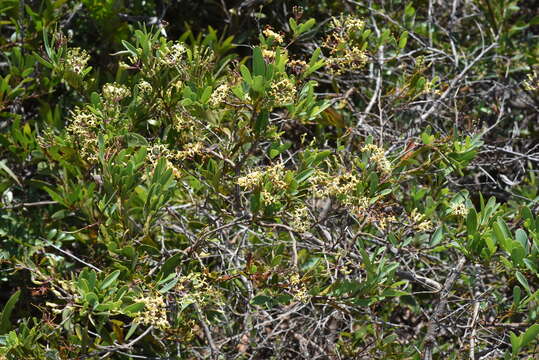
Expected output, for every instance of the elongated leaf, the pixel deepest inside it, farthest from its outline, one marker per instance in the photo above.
(258, 84)
(515, 342)
(261, 122)
(5, 324)
(437, 236)
(471, 221)
(403, 39)
(133, 308)
(246, 74)
(170, 265)
(259, 66)
(523, 281)
(304, 175)
(130, 48)
(500, 237)
(110, 279)
(293, 25)
(530, 335)
(4, 167)
(522, 238)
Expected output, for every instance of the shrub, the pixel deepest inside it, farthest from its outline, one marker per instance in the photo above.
(317, 198)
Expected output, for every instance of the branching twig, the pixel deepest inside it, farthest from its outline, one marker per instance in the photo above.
(207, 332)
(432, 326)
(72, 256)
(456, 80)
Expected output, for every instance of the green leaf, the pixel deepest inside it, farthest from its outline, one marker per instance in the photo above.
(314, 63)
(310, 263)
(516, 296)
(133, 308)
(5, 323)
(499, 234)
(304, 175)
(384, 37)
(130, 48)
(133, 328)
(261, 122)
(293, 25)
(91, 299)
(517, 253)
(523, 281)
(206, 94)
(437, 237)
(169, 285)
(4, 167)
(403, 39)
(246, 74)
(427, 138)
(522, 238)
(409, 10)
(110, 279)
(258, 84)
(530, 335)
(306, 26)
(259, 65)
(170, 265)
(135, 139)
(531, 265)
(471, 221)
(261, 300)
(255, 202)
(515, 343)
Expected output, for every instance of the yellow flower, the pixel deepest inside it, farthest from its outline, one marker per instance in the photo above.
(282, 92)
(269, 33)
(114, 92)
(219, 95)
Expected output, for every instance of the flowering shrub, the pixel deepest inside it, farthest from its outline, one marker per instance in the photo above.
(322, 191)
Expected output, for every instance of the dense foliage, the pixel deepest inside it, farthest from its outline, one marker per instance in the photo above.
(268, 180)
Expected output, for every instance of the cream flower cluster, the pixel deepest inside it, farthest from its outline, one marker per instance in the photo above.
(299, 290)
(300, 219)
(346, 24)
(195, 288)
(190, 151)
(76, 60)
(282, 92)
(344, 56)
(219, 95)
(144, 87)
(420, 222)
(251, 180)
(269, 55)
(274, 176)
(532, 83)
(154, 313)
(172, 56)
(459, 209)
(115, 93)
(297, 66)
(269, 33)
(81, 128)
(378, 157)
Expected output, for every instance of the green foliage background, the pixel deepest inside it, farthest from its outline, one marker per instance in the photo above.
(269, 179)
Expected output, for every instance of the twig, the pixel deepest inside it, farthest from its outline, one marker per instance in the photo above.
(422, 280)
(455, 81)
(38, 203)
(207, 332)
(72, 256)
(472, 325)
(118, 347)
(432, 326)
(294, 250)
